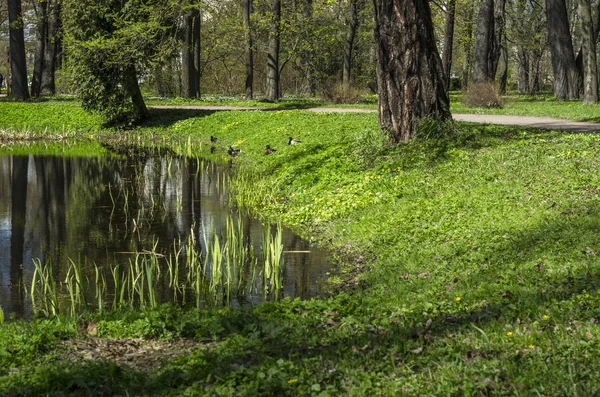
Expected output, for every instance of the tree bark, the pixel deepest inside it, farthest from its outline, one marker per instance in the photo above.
(484, 39)
(247, 13)
(410, 76)
(197, 53)
(273, 53)
(588, 46)
(448, 41)
(497, 37)
(51, 48)
(187, 57)
(523, 65)
(18, 66)
(567, 79)
(40, 47)
(350, 36)
(132, 90)
(503, 68)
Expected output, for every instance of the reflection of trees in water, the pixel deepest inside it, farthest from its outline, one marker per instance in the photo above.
(96, 210)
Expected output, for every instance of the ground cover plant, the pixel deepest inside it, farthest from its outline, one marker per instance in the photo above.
(470, 265)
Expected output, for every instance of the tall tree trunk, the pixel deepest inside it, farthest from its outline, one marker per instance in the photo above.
(306, 57)
(484, 39)
(51, 48)
(132, 90)
(503, 69)
(187, 57)
(535, 83)
(497, 37)
(273, 54)
(448, 41)
(410, 77)
(18, 66)
(588, 45)
(40, 47)
(523, 64)
(350, 36)
(567, 79)
(197, 53)
(247, 11)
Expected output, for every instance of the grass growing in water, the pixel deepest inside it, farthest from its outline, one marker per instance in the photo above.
(213, 273)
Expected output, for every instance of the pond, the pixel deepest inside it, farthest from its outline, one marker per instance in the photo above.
(82, 233)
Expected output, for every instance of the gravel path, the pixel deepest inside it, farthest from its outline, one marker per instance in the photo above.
(524, 121)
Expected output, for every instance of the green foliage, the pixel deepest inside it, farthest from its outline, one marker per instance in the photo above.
(106, 42)
(489, 231)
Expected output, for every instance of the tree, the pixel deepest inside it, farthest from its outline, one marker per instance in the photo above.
(40, 8)
(588, 47)
(354, 22)
(18, 66)
(484, 42)
(249, 48)
(567, 79)
(410, 77)
(108, 43)
(51, 48)
(448, 39)
(273, 53)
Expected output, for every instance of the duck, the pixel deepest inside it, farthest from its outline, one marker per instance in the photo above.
(269, 150)
(233, 152)
(213, 139)
(293, 141)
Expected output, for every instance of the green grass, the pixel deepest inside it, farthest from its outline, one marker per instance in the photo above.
(491, 233)
(542, 105)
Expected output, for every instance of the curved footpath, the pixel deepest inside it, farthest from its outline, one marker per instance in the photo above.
(523, 121)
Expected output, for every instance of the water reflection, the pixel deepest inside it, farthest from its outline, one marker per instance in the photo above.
(98, 211)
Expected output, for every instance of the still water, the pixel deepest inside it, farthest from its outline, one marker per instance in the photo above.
(103, 212)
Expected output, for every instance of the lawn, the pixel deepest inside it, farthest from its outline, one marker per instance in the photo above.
(469, 264)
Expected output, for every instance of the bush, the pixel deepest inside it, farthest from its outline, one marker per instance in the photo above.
(341, 93)
(482, 95)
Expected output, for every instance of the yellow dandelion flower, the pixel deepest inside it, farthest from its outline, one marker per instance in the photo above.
(509, 333)
(292, 381)
(458, 298)
(531, 346)
(545, 317)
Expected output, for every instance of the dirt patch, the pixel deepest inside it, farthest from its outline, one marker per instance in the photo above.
(139, 354)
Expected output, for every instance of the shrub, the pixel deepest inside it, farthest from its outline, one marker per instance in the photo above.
(482, 95)
(341, 93)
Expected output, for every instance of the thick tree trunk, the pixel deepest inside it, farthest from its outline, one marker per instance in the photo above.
(197, 53)
(410, 77)
(484, 39)
(18, 66)
(523, 62)
(187, 58)
(350, 36)
(588, 46)
(247, 12)
(273, 53)
(132, 90)
(51, 48)
(448, 39)
(567, 79)
(497, 37)
(40, 47)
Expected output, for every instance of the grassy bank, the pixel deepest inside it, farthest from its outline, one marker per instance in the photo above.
(475, 255)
